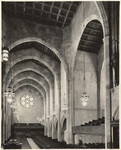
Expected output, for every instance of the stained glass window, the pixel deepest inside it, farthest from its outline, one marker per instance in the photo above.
(27, 101)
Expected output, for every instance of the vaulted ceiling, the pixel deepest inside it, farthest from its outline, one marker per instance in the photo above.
(92, 37)
(58, 14)
(42, 48)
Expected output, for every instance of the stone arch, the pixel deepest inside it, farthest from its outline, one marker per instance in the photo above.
(35, 39)
(35, 84)
(83, 26)
(29, 84)
(91, 76)
(48, 86)
(63, 62)
(86, 21)
(29, 68)
(32, 81)
(37, 59)
(33, 87)
(19, 76)
(103, 16)
(104, 22)
(50, 68)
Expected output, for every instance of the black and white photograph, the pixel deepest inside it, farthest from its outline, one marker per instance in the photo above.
(60, 74)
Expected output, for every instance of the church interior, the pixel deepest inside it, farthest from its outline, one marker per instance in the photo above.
(60, 74)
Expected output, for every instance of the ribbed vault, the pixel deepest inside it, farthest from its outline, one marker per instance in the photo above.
(30, 88)
(29, 65)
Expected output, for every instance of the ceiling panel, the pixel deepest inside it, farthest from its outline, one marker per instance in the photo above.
(58, 14)
(92, 37)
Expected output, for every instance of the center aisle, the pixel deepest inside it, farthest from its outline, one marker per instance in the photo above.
(32, 144)
(23, 140)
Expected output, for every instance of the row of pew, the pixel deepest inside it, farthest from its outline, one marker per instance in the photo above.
(48, 143)
(95, 145)
(27, 124)
(12, 144)
(97, 122)
(56, 144)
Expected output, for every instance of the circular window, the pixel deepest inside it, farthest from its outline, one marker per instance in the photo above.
(27, 101)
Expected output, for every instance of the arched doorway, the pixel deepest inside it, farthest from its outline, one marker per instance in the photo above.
(63, 130)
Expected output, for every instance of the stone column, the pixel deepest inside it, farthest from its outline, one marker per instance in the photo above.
(53, 109)
(107, 93)
(45, 124)
(48, 124)
(98, 97)
(45, 129)
(53, 128)
(70, 112)
(59, 113)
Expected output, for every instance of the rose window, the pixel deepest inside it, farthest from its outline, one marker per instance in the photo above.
(27, 101)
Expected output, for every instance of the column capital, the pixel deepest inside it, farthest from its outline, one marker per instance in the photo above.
(106, 38)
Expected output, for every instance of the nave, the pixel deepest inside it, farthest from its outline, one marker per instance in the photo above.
(60, 73)
(44, 142)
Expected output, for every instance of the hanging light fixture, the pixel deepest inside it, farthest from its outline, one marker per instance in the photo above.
(5, 52)
(84, 98)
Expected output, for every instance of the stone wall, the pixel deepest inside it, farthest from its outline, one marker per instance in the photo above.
(63, 87)
(23, 29)
(29, 115)
(85, 113)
